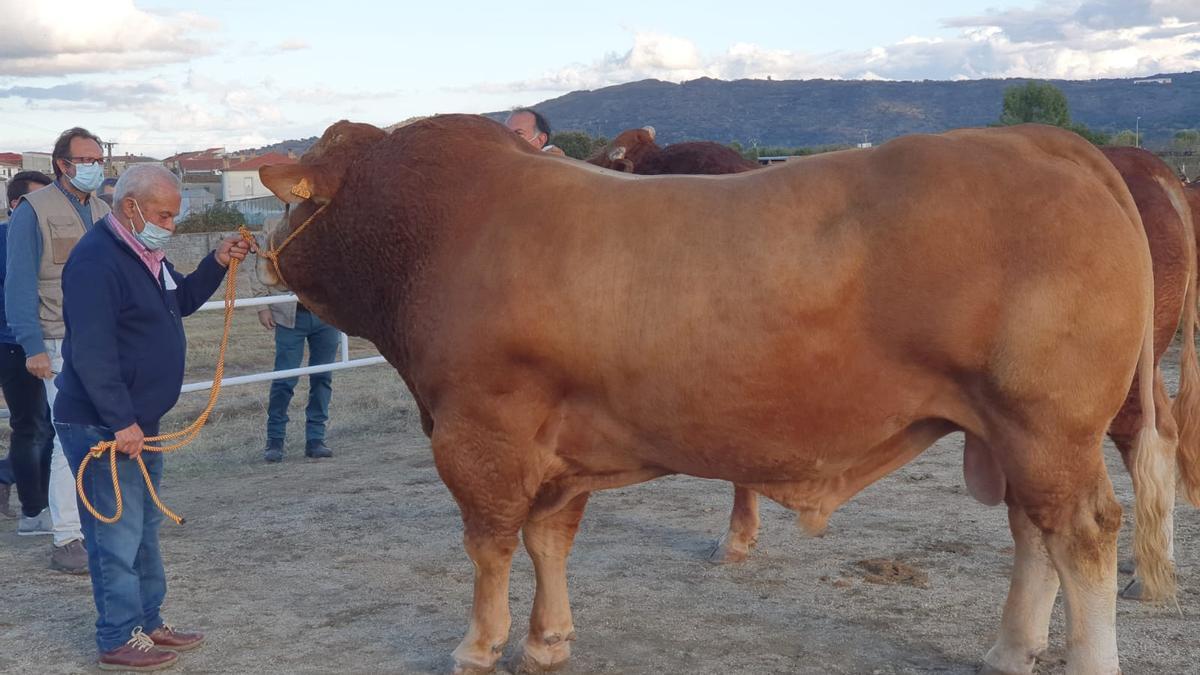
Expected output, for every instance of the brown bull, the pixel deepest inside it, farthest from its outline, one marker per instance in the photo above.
(635, 151)
(1162, 204)
(566, 329)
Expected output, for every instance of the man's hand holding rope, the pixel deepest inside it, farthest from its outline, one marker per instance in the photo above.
(235, 247)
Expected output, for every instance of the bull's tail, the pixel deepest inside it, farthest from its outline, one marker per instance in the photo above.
(1154, 473)
(1186, 408)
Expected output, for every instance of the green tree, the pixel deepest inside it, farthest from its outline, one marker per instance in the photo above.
(1125, 137)
(216, 218)
(1035, 102)
(578, 144)
(1096, 137)
(1044, 103)
(1187, 140)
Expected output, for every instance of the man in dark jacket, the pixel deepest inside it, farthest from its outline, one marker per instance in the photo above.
(28, 462)
(124, 356)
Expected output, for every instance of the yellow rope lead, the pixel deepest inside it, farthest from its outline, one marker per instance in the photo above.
(187, 435)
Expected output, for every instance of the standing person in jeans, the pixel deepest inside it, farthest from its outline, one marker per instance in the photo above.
(294, 325)
(124, 354)
(28, 463)
(42, 232)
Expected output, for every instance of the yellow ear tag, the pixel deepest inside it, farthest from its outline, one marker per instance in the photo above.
(302, 189)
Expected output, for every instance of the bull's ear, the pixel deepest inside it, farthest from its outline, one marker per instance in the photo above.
(294, 183)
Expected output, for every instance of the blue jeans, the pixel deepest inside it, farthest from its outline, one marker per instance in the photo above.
(28, 461)
(128, 583)
(289, 352)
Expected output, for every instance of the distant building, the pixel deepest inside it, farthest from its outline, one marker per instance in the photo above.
(118, 164)
(1154, 80)
(240, 181)
(37, 161)
(210, 183)
(211, 162)
(10, 165)
(195, 199)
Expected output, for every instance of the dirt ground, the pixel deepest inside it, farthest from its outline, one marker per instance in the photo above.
(355, 564)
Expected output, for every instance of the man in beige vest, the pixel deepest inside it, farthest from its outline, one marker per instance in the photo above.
(43, 229)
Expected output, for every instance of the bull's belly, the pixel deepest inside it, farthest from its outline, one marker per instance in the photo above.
(812, 472)
(739, 446)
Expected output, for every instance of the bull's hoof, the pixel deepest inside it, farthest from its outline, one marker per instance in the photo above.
(472, 664)
(1014, 663)
(985, 669)
(728, 551)
(461, 668)
(549, 655)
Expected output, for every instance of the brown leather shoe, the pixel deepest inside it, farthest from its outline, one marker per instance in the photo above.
(166, 637)
(138, 655)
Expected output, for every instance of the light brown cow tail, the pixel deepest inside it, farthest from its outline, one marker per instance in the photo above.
(1153, 467)
(1186, 407)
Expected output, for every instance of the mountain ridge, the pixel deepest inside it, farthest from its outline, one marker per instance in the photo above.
(817, 112)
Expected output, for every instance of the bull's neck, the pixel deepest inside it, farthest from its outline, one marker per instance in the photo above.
(354, 273)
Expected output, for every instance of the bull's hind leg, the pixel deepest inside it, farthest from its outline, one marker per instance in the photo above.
(1025, 625)
(736, 543)
(548, 645)
(1084, 552)
(1066, 495)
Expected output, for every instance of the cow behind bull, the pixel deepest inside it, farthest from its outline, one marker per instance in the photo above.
(803, 330)
(635, 151)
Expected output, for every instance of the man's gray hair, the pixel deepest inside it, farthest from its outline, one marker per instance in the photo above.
(142, 180)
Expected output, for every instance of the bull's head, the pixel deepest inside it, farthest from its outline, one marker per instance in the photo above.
(627, 150)
(313, 182)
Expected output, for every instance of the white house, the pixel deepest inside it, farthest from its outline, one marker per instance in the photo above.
(240, 181)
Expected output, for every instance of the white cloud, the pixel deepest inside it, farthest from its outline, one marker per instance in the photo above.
(292, 45)
(88, 95)
(99, 37)
(1065, 39)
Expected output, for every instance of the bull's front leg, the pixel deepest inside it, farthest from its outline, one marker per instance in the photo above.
(736, 543)
(484, 643)
(548, 645)
(485, 475)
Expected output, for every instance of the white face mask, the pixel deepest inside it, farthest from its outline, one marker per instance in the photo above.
(152, 236)
(88, 177)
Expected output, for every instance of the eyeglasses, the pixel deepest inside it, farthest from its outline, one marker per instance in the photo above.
(86, 160)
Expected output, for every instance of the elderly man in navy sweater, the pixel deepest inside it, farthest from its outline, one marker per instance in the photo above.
(124, 355)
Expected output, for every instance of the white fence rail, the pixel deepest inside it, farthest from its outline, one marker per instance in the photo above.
(344, 361)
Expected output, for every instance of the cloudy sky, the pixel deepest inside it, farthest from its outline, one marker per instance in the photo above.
(158, 76)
